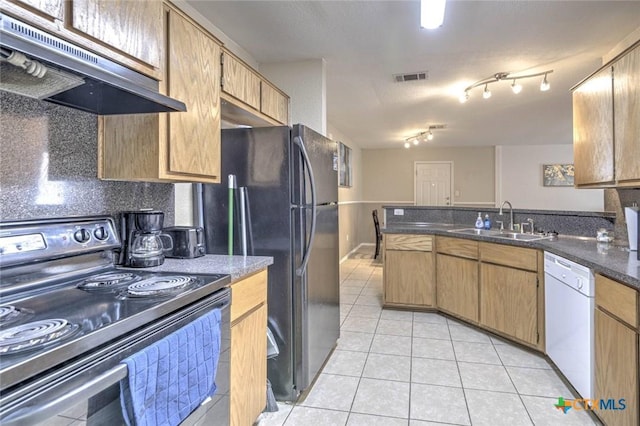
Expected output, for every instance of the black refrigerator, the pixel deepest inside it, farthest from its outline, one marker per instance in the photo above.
(289, 187)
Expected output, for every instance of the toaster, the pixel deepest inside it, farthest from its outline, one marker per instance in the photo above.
(188, 242)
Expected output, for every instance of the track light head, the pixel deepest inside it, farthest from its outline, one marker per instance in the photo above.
(486, 94)
(429, 136)
(545, 86)
(516, 87)
(464, 97)
(407, 145)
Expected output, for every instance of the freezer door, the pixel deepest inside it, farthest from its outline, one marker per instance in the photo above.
(322, 154)
(318, 297)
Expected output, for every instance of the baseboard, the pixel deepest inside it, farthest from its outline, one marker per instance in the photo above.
(354, 250)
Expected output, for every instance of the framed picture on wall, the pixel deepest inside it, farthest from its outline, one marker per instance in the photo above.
(344, 165)
(557, 175)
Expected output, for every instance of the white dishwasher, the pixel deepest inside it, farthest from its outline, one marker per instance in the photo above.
(569, 311)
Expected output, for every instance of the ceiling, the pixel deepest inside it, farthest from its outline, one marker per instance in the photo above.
(365, 42)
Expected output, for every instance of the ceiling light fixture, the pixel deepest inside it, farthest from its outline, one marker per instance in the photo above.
(545, 86)
(486, 94)
(424, 136)
(515, 87)
(431, 13)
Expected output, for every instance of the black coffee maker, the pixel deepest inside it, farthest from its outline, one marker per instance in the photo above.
(143, 243)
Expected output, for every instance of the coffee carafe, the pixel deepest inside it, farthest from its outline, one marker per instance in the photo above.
(144, 244)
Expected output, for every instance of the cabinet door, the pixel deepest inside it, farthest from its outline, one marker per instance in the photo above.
(248, 367)
(240, 82)
(509, 301)
(626, 96)
(274, 104)
(50, 8)
(593, 130)
(193, 77)
(457, 286)
(409, 278)
(131, 27)
(616, 365)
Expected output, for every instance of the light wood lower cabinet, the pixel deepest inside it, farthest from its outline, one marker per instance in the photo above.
(409, 272)
(509, 302)
(248, 388)
(617, 357)
(457, 286)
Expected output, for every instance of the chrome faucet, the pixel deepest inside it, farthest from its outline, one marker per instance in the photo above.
(510, 214)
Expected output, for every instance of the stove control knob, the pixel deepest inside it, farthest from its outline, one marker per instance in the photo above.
(101, 234)
(81, 236)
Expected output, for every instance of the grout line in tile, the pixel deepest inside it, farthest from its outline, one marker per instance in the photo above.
(455, 356)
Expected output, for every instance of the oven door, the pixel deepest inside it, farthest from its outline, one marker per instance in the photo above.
(86, 391)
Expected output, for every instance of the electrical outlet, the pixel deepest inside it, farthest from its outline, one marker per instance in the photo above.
(347, 237)
(398, 212)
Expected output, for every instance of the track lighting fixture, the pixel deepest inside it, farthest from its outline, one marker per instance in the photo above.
(515, 86)
(427, 135)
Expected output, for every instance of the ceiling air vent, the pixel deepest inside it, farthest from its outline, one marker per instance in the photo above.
(414, 76)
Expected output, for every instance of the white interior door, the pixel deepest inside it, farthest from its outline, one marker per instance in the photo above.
(433, 184)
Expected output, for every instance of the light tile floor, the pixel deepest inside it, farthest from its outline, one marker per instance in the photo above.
(415, 368)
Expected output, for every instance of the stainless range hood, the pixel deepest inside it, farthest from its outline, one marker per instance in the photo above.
(39, 65)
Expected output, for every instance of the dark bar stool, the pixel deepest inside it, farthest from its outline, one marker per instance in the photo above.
(376, 224)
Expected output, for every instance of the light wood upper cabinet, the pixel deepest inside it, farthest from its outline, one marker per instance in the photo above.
(409, 270)
(51, 8)
(125, 31)
(606, 129)
(626, 98)
(593, 130)
(179, 146)
(274, 103)
(194, 70)
(239, 81)
(132, 27)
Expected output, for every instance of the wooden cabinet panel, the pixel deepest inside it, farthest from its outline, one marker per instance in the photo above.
(626, 97)
(616, 365)
(247, 294)
(409, 278)
(509, 302)
(516, 257)
(132, 27)
(274, 104)
(457, 286)
(248, 368)
(593, 130)
(618, 299)
(408, 242)
(194, 73)
(51, 8)
(457, 247)
(240, 81)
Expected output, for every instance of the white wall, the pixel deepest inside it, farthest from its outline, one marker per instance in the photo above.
(519, 180)
(306, 84)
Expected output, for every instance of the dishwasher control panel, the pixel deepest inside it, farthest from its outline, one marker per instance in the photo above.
(573, 274)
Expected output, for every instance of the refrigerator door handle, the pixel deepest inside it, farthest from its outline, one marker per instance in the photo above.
(303, 266)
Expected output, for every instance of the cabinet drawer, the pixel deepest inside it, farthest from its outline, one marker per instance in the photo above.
(618, 299)
(247, 294)
(516, 257)
(457, 247)
(408, 242)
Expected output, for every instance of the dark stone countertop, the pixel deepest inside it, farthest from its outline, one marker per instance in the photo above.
(238, 267)
(607, 259)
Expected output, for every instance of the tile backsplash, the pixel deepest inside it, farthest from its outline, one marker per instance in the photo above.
(48, 166)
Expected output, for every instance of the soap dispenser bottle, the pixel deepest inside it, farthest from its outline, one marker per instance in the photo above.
(487, 222)
(479, 222)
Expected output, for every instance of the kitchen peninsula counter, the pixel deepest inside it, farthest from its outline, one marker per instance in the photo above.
(238, 267)
(607, 259)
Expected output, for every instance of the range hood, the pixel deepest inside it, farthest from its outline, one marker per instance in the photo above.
(39, 65)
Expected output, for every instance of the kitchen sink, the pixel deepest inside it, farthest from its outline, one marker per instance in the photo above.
(509, 235)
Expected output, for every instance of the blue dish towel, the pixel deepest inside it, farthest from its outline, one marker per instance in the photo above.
(169, 379)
